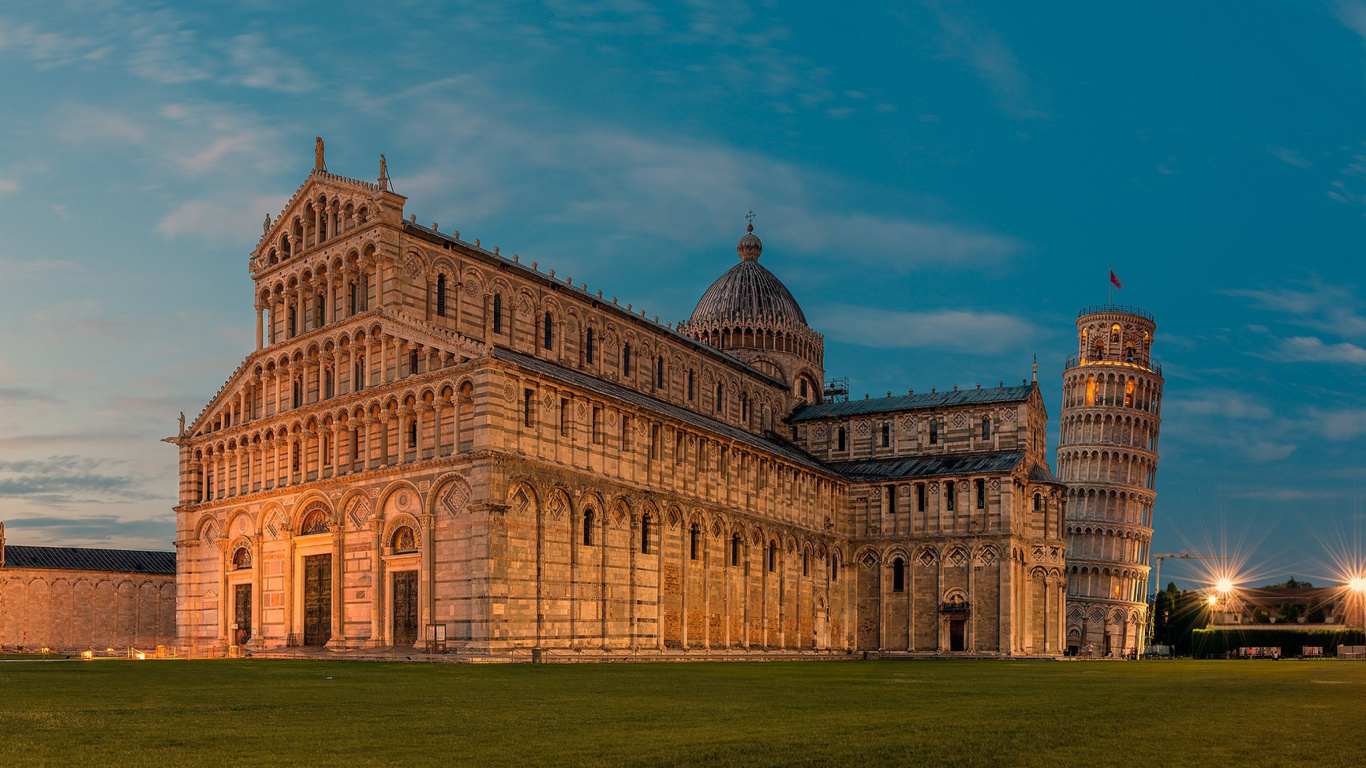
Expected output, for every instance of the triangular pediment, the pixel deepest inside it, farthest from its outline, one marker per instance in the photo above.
(347, 197)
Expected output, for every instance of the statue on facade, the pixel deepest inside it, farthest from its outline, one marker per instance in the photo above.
(265, 228)
(182, 423)
(383, 172)
(318, 163)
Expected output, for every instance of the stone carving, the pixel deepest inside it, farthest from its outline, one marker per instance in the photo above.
(318, 163)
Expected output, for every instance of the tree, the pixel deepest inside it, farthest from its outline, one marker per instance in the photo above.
(1288, 614)
(1260, 616)
(1314, 614)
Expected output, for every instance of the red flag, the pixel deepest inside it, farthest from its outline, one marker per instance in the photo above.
(1115, 280)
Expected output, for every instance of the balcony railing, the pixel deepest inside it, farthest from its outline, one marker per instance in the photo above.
(1098, 308)
(1076, 360)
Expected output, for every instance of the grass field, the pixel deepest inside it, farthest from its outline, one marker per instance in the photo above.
(959, 713)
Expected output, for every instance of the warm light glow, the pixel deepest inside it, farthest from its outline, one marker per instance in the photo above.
(1212, 599)
(87, 655)
(142, 656)
(1224, 585)
(1357, 584)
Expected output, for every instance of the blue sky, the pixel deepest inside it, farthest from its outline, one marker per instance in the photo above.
(942, 185)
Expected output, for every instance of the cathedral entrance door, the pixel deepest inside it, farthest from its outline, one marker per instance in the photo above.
(957, 635)
(405, 607)
(242, 614)
(317, 599)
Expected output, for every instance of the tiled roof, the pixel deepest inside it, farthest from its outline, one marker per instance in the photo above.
(915, 402)
(929, 466)
(616, 391)
(82, 559)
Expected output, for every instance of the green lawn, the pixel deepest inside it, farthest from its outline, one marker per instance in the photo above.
(234, 713)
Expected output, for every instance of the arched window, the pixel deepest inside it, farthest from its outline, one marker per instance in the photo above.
(981, 488)
(588, 518)
(241, 558)
(440, 295)
(934, 431)
(626, 359)
(352, 306)
(735, 549)
(412, 362)
(412, 433)
(293, 321)
(645, 535)
(986, 427)
(834, 567)
(1114, 333)
(497, 313)
(694, 541)
(898, 575)
(320, 304)
(1038, 502)
(588, 346)
(314, 522)
(839, 439)
(772, 556)
(403, 540)
(806, 562)
(358, 375)
(801, 385)
(547, 331)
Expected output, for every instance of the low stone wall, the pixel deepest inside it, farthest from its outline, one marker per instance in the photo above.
(78, 610)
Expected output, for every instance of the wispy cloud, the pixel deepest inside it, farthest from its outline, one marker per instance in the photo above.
(1227, 422)
(19, 396)
(1311, 349)
(1335, 309)
(62, 480)
(966, 38)
(958, 330)
(1339, 425)
(90, 530)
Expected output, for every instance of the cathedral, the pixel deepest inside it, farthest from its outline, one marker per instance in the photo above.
(436, 442)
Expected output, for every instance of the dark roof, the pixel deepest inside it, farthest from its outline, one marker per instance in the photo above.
(929, 466)
(616, 391)
(747, 291)
(1040, 473)
(83, 559)
(914, 402)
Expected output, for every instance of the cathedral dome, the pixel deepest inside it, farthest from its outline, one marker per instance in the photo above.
(747, 291)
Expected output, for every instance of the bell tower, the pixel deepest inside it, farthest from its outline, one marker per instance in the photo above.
(1107, 456)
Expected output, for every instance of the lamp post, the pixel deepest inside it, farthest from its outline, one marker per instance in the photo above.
(1156, 574)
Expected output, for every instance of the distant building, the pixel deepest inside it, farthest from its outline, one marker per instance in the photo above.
(435, 437)
(77, 598)
(1289, 607)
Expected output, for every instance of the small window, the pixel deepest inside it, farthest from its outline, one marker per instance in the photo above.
(986, 427)
(564, 417)
(320, 305)
(528, 407)
(834, 568)
(412, 433)
(898, 575)
(625, 433)
(950, 492)
(298, 394)
(694, 542)
(839, 439)
(547, 331)
(645, 535)
(886, 435)
(597, 425)
(735, 550)
(981, 488)
(806, 562)
(626, 359)
(358, 376)
(412, 362)
(588, 518)
(440, 295)
(659, 372)
(801, 385)
(351, 291)
(690, 385)
(403, 540)
(497, 313)
(1038, 502)
(920, 497)
(720, 396)
(588, 346)
(293, 321)
(772, 556)
(934, 431)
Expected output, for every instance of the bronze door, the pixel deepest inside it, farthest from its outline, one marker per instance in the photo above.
(317, 599)
(242, 615)
(405, 607)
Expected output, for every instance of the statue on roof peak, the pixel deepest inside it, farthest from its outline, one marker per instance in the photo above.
(318, 163)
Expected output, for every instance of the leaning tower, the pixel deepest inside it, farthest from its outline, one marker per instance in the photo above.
(1107, 456)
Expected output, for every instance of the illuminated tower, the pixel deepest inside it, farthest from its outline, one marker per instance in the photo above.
(1107, 456)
